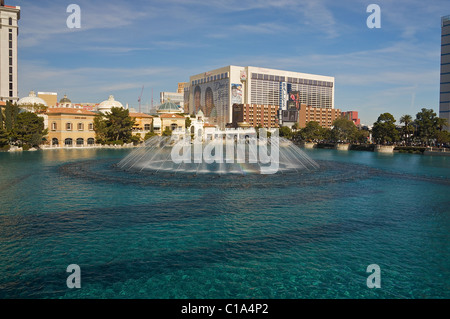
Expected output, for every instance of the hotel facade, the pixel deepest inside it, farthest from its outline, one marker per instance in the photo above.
(444, 101)
(216, 91)
(9, 32)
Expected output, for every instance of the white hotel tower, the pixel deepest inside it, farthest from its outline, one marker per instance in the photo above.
(9, 31)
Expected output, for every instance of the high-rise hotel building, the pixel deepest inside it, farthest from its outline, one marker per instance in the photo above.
(444, 103)
(216, 91)
(9, 31)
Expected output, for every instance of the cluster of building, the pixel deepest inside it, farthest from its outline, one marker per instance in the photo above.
(225, 98)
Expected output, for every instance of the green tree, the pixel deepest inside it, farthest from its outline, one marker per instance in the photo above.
(29, 129)
(114, 126)
(149, 135)
(384, 130)
(312, 132)
(285, 132)
(188, 122)
(4, 138)
(1, 118)
(408, 128)
(11, 112)
(427, 125)
(443, 137)
(167, 131)
(361, 136)
(100, 129)
(343, 130)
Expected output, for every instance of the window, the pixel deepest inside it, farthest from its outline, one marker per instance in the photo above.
(10, 21)
(91, 126)
(147, 127)
(10, 44)
(68, 142)
(80, 141)
(10, 86)
(80, 126)
(173, 126)
(69, 126)
(10, 78)
(55, 141)
(54, 126)
(10, 93)
(90, 141)
(10, 37)
(10, 61)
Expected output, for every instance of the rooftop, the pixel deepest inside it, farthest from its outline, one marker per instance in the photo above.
(65, 110)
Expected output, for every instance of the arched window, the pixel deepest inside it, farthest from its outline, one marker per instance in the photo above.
(173, 126)
(68, 142)
(80, 141)
(55, 141)
(69, 126)
(91, 141)
(54, 126)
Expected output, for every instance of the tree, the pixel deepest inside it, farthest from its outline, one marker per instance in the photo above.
(408, 128)
(4, 138)
(361, 136)
(384, 130)
(149, 135)
(443, 137)
(343, 130)
(11, 112)
(29, 129)
(167, 131)
(427, 125)
(285, 132)
(312, 132)
(115, 126)
(100, 129)
(188, 122)
(1, 117)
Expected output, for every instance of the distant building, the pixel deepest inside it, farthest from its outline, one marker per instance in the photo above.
(51, 98)
(143, 123)
(68, 127)
(215, 92)
(9, 31)
(324, 116)
(175, 122)
(30, 102)
(106, 106)
(255, 115)
(174, 97)
(169, 108)
(352, 116)
(181, 87)
(444, 103)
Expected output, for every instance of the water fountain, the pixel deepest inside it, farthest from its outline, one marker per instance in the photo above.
(224, 155)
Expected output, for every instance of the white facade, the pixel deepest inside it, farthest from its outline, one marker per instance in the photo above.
(9, 31)
(216, 91)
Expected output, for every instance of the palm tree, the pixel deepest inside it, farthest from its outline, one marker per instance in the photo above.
(408, 129)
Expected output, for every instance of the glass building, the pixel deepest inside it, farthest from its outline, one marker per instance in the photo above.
(444, 103)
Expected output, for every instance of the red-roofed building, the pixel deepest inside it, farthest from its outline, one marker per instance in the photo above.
(143, 123)
(352, 116)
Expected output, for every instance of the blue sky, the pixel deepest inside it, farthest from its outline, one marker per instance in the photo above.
(123, 45)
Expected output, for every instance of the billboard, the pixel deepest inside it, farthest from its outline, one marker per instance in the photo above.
(283, 95)
(290, 116)
(236, 93)
(213, 99)
(294, 96)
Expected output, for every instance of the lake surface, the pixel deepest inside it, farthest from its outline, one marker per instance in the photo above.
(305, 235)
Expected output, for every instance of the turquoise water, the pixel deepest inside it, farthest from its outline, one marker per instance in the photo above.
(305, 235)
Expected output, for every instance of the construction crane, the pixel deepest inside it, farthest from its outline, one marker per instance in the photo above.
(140, 99)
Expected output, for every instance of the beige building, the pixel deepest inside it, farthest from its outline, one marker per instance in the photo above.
(9, 31)
(324, 116)
(143, 123)
(181, 86)
(174, 122)
(50, 98)
(69, 127)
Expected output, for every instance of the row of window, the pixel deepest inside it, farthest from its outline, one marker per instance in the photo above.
(211, 78)
(69, 126)
(11, 90)
(69, 141)
(276, 78)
